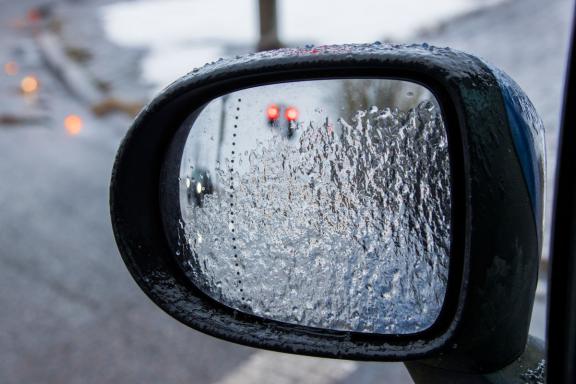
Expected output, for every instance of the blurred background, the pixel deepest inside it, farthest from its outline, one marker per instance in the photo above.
(73, 75)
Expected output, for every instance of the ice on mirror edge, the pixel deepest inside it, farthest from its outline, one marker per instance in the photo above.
(339, 219)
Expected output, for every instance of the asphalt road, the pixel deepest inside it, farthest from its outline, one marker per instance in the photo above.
(70, 312)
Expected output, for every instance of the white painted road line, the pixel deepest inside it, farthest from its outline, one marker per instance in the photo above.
(265, 367)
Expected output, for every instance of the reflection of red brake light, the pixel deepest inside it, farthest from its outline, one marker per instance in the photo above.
(291, 114)
(273, 112)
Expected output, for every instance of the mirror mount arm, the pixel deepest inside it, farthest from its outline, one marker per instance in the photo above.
(527, 368)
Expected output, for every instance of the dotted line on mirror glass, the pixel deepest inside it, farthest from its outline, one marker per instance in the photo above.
(232, 213)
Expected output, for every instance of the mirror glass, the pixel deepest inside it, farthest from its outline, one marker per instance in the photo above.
(322, 203)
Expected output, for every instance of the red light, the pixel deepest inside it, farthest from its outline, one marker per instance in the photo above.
(273, 112)
(291, 114)
(34, 15)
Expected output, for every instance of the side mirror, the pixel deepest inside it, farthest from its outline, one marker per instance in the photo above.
(371, 202)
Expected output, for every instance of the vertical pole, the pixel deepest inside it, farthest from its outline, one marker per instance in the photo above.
(268, 25)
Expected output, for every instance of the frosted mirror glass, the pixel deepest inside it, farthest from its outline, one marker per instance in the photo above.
(320, 203)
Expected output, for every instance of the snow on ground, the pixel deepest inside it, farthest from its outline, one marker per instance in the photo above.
(183, 34)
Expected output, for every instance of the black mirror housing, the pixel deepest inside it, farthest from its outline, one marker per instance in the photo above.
(494, 139)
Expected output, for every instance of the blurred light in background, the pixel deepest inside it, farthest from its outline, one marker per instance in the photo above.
(73, 124)
(29, 84)
(11, 68)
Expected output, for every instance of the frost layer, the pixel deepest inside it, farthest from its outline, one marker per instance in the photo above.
(347, 227)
